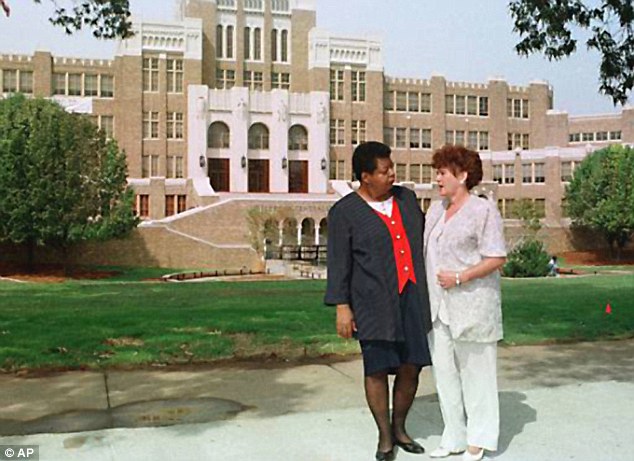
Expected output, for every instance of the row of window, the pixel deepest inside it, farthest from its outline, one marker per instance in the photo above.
(517, 108)
(174, 75)
(253, 43)
(532, 173)
(173, 204)
(337, 85)
(219, 136)
(476, 140)
(73, 84)
(459, 104)
(416, 138)
(150, 166)
(257, 5)
(338, 132)
(226, 79)
(16, 80)
(174, 125)
(407, 101)
(590, 136)
(508, 207)
(514, 140)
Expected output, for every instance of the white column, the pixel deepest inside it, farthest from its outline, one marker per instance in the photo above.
(316, 234)
(299, 233)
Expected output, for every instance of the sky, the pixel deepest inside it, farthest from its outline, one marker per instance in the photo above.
(464, 40)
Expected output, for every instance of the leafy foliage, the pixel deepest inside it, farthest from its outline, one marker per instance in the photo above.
(546, 26)
(108, 19)
(61, 181)
(527, 259)
(601, 195)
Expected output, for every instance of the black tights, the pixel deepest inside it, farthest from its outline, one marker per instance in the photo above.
(403, 393)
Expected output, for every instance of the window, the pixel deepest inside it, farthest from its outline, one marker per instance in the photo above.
(568, 170)
(401, 137)
(174, 125)
(229, 40)
(106, 86)
(460, 105)
(574, 137)
(527, 173)
(587, 137)
(219, 40)
(336, 85)
(149, 166)
(507, 208)
(150, 125)
(274, 45)
(337, 132)
(413, 102)
(338, 169)
(472, 105)
(401, 101)
(26, 81)
(615, 135)
(425, 102)
(414, 138)
(59, 83)
(143, 205)
(247, 43)
(174, 166)
(472, 140)
(9, 81)
(284, 45)
(218, 136)
(281, 80)
(74, 84)
(538, 171)
(358, 131)
(498, 173)
(401, 172)
(258, 136)
(150, 74)
(483, 110)
(91, 85)
(483, 140)
(175, 204)
(426, 138)
(449, 104)
(253, 80)
(601, 136)
(297, 138)
(459, 139)
(257, 44)
(106, 124)
(509, 173)
(517, 108)
(449, 137)
(358, 86)
(225, 79)
(174, 75)
(518, 140)
(426, 174)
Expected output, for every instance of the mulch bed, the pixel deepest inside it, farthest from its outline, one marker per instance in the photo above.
(52, 273)
(596, 258)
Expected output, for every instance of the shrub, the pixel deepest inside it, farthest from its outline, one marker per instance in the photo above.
(527, 259)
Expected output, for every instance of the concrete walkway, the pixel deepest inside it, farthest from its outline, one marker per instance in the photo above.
(565, 402)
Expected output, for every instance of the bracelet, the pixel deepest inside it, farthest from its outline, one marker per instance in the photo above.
(458, 279)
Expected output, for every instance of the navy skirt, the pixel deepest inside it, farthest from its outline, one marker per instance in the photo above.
(382, 356)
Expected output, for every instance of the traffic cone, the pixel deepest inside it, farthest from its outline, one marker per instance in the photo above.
(608, 309)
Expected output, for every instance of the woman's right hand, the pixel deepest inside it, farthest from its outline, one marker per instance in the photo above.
(345, 321)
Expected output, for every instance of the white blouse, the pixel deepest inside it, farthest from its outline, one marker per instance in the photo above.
(473, 310)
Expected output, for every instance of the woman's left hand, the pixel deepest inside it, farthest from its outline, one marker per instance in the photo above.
(446, 279)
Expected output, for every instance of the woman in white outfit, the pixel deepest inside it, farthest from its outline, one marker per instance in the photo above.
(464, 250)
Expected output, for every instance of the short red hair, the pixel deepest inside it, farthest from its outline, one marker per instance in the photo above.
(458, 159)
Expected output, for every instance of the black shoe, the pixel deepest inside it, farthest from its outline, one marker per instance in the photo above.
(410, 447)
(385, 455)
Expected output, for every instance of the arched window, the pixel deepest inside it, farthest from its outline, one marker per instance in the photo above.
(297, 138)
(308, 232)
(274, 45)
(219, 41)
(218, 135)
(229, 42)
(284, 46)
(258, 136)
(323, 231)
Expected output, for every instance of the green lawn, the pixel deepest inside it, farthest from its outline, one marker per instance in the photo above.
(103, 323)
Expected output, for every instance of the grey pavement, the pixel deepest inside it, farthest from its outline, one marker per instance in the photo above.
(560, 402)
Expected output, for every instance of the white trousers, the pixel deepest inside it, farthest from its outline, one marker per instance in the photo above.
(466, 380)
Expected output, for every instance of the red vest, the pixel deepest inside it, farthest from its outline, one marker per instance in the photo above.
(400, 243)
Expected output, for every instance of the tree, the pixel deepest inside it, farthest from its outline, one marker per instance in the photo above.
(61, 181)
(528, 258)
(601, 195)
(107, 18)
(546, 26)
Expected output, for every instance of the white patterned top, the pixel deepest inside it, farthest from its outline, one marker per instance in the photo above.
(473, 310)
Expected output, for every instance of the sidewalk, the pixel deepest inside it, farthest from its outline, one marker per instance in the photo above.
(566, 402)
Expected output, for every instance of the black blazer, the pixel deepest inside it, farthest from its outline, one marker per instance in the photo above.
(362, 268)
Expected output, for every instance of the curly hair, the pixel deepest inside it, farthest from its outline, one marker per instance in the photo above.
(458, 159)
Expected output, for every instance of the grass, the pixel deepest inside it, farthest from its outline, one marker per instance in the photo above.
(100, 323)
